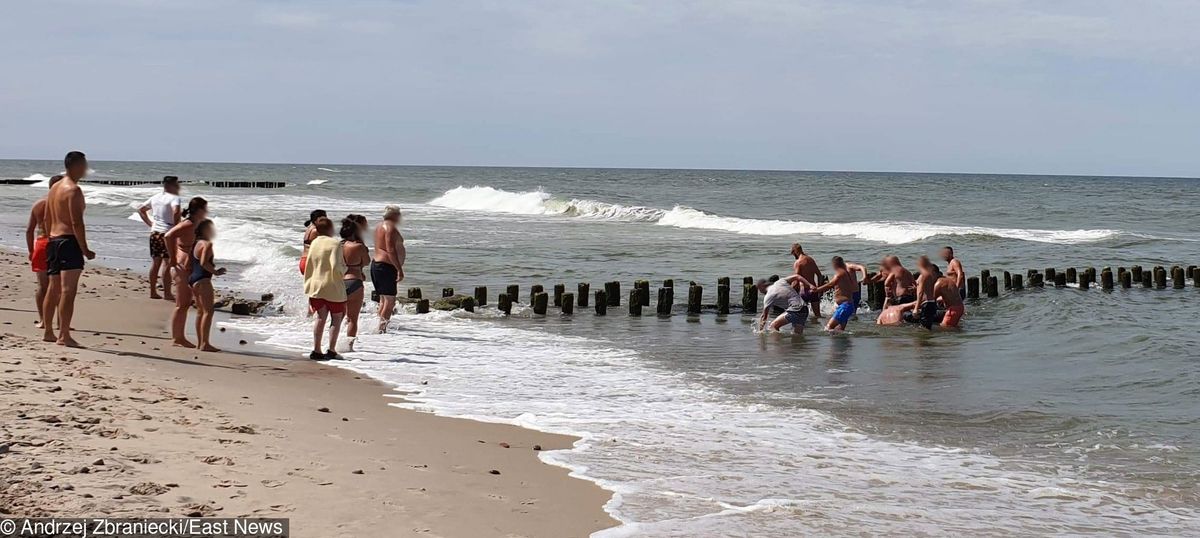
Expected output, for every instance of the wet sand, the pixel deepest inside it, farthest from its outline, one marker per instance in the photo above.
(134, 427)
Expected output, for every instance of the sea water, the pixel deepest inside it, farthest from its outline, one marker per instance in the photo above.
(1051, 412)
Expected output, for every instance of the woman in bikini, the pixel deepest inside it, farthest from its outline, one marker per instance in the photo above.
(357, 255)
(200, 280)
(179, 240)
(310, 233)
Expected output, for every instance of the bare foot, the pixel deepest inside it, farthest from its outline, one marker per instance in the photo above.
(210, 349)
(183, 343)
(383, 327)
(155, 295)
(38, 324)
(69, 342)
(49, 337)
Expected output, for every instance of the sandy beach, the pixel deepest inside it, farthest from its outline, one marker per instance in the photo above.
(133, 427)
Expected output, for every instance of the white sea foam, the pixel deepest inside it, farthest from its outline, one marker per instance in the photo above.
(317, 182)
(489, 199)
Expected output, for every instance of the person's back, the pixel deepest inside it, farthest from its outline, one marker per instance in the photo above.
(325, 270)
(903, 282)
(946, 290)
(163, 208)
(58, 207)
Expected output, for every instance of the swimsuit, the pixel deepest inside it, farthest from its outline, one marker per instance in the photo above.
(953, 315)
(333, 307)
(353, 285)
(37, 260)
(63, 254)
(795, 317)
(383, 276)
(929, 314)
(158, 245)
(198, 271)
(904, 299)
(844, 311)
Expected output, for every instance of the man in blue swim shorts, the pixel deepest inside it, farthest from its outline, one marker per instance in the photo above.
(846, 292)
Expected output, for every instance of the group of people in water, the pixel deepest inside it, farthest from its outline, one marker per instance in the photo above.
(334, 258)
(929, 298)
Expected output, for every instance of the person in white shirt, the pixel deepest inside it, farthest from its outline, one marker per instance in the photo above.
(788, 299)
(161, 212)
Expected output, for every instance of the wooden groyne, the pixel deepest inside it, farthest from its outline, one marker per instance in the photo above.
(638, 299)
(150, 182)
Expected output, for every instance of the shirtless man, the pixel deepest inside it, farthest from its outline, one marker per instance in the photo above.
(847, 292)
(806, 267)
(954, 269)
(37, 238)
(387, 265)
(66, 249)
(899, 283)
(945, 290)
(926, 302)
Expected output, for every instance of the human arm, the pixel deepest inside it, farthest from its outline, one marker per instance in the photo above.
(207, 259)
(31, 228)
(77, 207)
(143, 211)
(171, 241)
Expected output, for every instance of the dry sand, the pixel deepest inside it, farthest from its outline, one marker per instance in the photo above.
(134, 427)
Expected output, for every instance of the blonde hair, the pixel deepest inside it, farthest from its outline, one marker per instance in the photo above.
(391, 210)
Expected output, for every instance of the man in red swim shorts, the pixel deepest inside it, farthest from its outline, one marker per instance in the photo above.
(946, 291)
(37, 238)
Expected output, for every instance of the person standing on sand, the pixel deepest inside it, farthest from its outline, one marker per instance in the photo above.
(66, 249)
(847, 292)
(324, 284)
(357, 256)
(310, 233)
(200, 281)
(179, 240)
(37, 238)
(161, 212)
(387, 266)
(806, 267)
(954, 269)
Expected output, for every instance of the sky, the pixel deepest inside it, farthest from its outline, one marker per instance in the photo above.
(1106, 87)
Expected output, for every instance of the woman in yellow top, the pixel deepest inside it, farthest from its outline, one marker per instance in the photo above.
(323, 274)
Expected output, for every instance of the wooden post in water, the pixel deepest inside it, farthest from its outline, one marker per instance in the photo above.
(723, 298)
(669, 283)
(414, 293)
(1072, 275)
(1126, 279)
(972, 287)
(1018, 282)
(870, 284)
(481, 295)
(695, 299)
(1137, 272)
(540, 301)
(1177, 279)
(1008, 280)
(1147, 279)
(504, 303)
(568, 304)
(1120, 272)
(601, 303)
(559, 290)
(447, 292)
(1060, 280)
(1160, 277)
(643, 292)
(993, 287)
(514, 293)
(749, 298)
(468, 304)
(1051, 275)
(880, 295)
(584, 293)
(1196, 277)
(983, 276)
(1106, 279)
(666, 299)
(1084, 282)
(423, 306)
(1037, 281)
(534, 290)
(612, 290)
(635, 301)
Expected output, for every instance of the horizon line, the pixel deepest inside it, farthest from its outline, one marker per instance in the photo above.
(660, 168)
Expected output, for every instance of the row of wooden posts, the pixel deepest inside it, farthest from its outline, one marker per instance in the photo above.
(638, 298)
(137, 182)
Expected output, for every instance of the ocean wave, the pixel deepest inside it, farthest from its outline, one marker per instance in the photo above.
(539, 202)
(317, 182)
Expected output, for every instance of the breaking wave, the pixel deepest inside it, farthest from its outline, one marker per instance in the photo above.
(489, 199)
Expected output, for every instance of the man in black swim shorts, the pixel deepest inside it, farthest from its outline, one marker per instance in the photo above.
(66, 250)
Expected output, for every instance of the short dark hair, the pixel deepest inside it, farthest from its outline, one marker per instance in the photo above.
(323, 225)
(838, 261)
(54, 180)
(169, 180)
(951, 249)
(73, 158)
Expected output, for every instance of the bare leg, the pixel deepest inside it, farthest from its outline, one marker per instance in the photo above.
(155, 267)
(353, 309)
(387, 305)
(816, 309)
(335, 327)
(50, 307)
(43, 282)
(66, 307)
(203, 290)
(319, 328)
(183, 302)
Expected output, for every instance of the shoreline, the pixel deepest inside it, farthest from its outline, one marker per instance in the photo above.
(132, 427)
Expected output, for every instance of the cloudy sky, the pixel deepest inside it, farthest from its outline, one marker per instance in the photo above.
(1063, 86)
